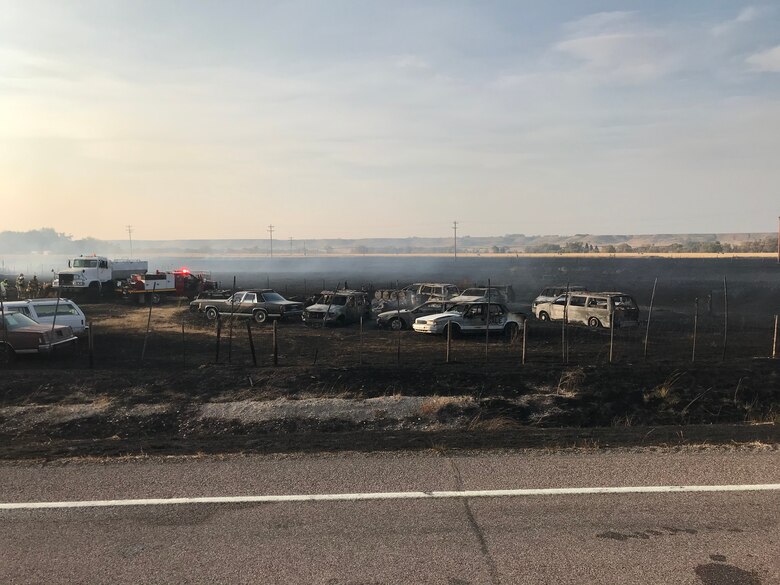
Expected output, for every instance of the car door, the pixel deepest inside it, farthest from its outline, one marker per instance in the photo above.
(474, 318)
(248, 304)
(599, 307)
(577, 312)
(233, 304)
(497, 317)
(558, 308)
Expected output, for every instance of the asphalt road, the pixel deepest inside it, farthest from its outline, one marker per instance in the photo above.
(719, 538)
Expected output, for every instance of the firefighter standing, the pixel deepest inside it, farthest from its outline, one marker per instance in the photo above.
(3, 289)
(34, 287)
(20, 285)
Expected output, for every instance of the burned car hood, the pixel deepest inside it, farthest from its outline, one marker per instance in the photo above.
(322, 308)
(468, 299)
(388, 314)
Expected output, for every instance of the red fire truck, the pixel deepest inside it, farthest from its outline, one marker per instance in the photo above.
(154, 286)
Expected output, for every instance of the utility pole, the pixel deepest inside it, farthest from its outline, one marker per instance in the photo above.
(291, 252)
(130, 235)
(455, 239)
(271, 237)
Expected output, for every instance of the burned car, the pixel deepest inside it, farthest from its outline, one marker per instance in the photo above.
(403, 318)
(472, 318)
(592, 309)
(259, 305)
(339, 307)
(413, 295)
(19, 334)
(498, 294)
(551, 293)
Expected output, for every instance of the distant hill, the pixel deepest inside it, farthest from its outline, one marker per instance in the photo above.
(47, 240)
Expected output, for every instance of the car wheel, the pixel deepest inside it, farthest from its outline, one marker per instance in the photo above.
(155, 298)
(396, 324)
(7, 355)
(260, 316)
(212, 314)
(544, 316)
(511, 330)
(594, 323)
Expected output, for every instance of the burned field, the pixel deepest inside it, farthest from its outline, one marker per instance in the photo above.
(347, 388)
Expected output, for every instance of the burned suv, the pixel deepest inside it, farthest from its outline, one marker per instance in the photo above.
(259, 305)
(338, 307)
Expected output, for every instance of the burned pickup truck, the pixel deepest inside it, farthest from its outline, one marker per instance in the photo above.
(339, 307)
(259, 305)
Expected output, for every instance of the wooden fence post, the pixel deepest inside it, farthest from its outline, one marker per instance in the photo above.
(275, 345)
(360, 348)
(611, 334)
(695, 328)
(449, 341)
(219, 335)
(91, 347)
(251, 341)
(525, 339)
(148, 320)
(183, 347)
(725, 317)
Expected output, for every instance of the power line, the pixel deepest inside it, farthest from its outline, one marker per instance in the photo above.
(271, 237)
(455, 239)
(130, 235)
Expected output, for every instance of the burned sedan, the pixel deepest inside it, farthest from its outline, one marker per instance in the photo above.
(19, 334)
(404, 318)
(472, 318)
(259, 305)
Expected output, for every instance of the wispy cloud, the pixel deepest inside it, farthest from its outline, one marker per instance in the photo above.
(619, 47)
(765, 61)
(744, 16)
(411, 62)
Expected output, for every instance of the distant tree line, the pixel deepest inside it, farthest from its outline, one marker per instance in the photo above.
(49, 240)
(764, 245)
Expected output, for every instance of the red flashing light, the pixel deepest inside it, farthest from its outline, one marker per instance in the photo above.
(185, 271)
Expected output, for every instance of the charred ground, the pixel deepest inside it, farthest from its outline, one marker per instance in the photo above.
(336, 388)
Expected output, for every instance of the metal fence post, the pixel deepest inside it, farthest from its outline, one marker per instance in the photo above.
(649, 316)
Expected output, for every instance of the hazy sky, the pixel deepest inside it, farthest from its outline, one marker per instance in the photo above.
(356, 118)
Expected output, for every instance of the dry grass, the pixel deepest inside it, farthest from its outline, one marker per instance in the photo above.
(664, 390)
(570, 382)
(625, 421)
(431, 407)
(494, 424)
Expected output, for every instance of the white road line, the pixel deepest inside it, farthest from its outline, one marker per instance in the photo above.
(392, 496)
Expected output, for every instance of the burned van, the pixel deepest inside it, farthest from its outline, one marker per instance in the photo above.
(339, 307)
(594, 309)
